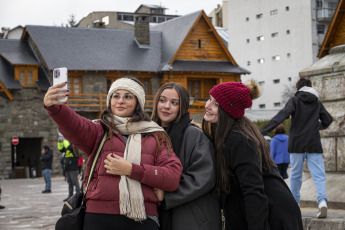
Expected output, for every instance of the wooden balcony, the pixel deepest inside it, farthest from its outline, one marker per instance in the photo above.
(97, 103)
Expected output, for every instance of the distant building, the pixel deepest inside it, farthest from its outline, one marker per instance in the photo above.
(124, 20)
(187, 50)
(275, 40)
(219, 16)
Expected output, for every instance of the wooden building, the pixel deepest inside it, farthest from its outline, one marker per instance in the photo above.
(186, 49)
(336, 32)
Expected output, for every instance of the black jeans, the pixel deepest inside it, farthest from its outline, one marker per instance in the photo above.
(95, 221)
(283, 170)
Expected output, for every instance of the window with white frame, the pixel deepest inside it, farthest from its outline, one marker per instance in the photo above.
(260, 38)
(261, 60)
(273, 12)
(276, 58)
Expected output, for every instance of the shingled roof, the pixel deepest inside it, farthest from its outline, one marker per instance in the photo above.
(89, 49)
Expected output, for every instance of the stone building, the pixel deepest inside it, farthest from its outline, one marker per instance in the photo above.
(187, 50)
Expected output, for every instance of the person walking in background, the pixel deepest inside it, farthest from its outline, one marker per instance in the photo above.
(70, 166)
(136, 157)
(308, 116)
(253, 195)
(279, 150)
(195, 193)
(46, 164)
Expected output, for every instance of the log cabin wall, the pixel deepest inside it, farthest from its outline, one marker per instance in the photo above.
(201, 44)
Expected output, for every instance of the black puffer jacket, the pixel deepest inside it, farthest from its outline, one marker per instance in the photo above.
(308, 117)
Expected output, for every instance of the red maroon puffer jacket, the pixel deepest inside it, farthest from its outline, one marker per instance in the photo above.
(156, 170)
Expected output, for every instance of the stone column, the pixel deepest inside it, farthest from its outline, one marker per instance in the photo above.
(328, 79)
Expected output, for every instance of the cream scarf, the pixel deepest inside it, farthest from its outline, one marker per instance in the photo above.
(131, 195)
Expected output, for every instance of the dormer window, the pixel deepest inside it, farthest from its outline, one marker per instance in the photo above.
(26, 75)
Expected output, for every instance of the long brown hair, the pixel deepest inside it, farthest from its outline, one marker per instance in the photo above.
(139, 114)
(218, 132)
(183, 97)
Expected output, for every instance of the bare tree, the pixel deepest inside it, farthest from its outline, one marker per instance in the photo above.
(71, 22)
(288, 92)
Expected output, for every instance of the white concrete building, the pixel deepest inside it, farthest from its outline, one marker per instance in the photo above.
(275, 40)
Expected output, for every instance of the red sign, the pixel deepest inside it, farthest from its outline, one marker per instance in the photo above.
(15, 140)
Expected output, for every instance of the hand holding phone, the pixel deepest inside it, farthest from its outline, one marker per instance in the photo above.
(59, 76)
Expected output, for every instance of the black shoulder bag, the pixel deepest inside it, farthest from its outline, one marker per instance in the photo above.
(73, 211)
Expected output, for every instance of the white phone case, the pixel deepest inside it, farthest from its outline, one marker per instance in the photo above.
(59, 76)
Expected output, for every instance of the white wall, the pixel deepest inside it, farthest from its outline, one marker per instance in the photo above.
(299, 44)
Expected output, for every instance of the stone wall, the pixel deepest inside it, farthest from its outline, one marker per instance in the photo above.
(328, 79)
(25, 117)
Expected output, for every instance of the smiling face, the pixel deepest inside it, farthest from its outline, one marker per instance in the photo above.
(123, 103)
(211, 113)
(168, 106)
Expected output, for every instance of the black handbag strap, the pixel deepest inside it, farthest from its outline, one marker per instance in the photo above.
(94, 162)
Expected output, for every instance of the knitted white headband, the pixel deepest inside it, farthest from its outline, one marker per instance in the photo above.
(130, 85)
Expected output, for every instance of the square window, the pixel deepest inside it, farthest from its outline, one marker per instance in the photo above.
(287, 8)
(262, 106)
(320, 29)
(276, 104)
(248, 62)
(247, 19)
(288, 55)
(273, 12)
(261, 60)
(287, 31)
(274, 35)
(289, 79)
(248, 40)
(258, 16)
(276, 58)
(276, 81)
(260, 38)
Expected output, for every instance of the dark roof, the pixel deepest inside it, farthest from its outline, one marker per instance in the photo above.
(205, 66)
(95, 49)
(7, 75)
(16, 52)
(174, 32)
(43, 82)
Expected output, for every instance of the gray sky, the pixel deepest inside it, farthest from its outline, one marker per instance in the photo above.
(56, 12)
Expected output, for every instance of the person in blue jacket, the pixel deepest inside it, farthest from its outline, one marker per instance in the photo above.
(279, 150)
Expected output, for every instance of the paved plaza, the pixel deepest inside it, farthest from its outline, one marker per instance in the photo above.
(27, 208)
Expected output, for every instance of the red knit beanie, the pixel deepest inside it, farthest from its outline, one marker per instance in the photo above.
(233, 97)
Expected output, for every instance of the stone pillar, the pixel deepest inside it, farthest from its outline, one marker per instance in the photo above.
(328, 79)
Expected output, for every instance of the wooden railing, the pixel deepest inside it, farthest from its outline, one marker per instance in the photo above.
(97, 103)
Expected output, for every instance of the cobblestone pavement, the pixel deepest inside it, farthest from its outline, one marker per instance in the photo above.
(27, 208)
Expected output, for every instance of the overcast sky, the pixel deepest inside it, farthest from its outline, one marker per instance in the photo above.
(56, 12)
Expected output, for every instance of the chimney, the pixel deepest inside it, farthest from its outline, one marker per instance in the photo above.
(142, 29)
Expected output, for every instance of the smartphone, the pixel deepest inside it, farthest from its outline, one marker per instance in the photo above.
(59, 76)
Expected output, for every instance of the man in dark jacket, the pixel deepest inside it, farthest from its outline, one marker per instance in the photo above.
(71, 168)
(308, 117)
(46, 163)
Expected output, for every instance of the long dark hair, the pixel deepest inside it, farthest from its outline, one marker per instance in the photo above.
(183, 97)
(218, 133)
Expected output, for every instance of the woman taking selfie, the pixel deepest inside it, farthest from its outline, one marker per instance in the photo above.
(193, 205)
(252, 193)
(136, 158)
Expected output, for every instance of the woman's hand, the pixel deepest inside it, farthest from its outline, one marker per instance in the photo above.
(52, 95)
(159, 194)
(117, 165)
